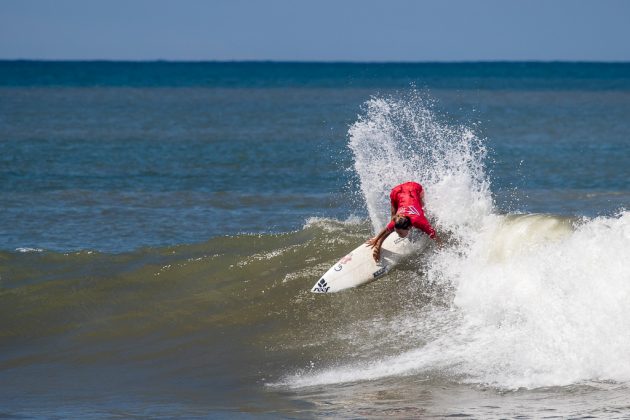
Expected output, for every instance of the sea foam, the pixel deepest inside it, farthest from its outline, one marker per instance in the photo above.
(537, 300)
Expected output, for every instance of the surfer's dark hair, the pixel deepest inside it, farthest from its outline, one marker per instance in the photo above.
(402, 222)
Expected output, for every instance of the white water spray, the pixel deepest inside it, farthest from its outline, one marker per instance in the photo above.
(402, 139)
(538, 300)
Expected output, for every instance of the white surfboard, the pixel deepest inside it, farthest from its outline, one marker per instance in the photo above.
(359, 267)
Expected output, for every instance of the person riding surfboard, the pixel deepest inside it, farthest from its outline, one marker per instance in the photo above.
(407, 202)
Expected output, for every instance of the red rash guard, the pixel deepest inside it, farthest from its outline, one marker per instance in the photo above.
(407, 201)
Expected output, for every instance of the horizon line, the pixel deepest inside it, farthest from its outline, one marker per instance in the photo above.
(265, 61)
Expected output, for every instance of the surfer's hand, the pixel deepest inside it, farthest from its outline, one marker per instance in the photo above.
(372, 242)
(376, 253)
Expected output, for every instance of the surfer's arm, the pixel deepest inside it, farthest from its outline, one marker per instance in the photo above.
(432, 234)
(378, 238)
(377, 241)
(423, 224)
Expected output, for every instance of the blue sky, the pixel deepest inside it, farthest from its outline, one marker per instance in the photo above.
(322, 30)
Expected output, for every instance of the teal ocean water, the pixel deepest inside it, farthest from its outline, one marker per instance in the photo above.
(163, 222)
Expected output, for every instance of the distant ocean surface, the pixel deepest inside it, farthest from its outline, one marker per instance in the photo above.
(161, 225)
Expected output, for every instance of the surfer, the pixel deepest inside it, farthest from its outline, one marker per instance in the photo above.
(407, 201)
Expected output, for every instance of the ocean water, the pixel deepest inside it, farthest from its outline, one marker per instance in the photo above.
(161, 225)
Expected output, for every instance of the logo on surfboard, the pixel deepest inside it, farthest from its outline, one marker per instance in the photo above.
(343, 261)
(380, 272)
(321, 286)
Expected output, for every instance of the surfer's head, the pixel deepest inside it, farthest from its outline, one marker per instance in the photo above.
(402, 224)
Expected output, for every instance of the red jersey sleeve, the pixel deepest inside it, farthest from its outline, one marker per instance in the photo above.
(423, 224)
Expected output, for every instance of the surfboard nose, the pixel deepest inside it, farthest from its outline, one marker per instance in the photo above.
(321, 286)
